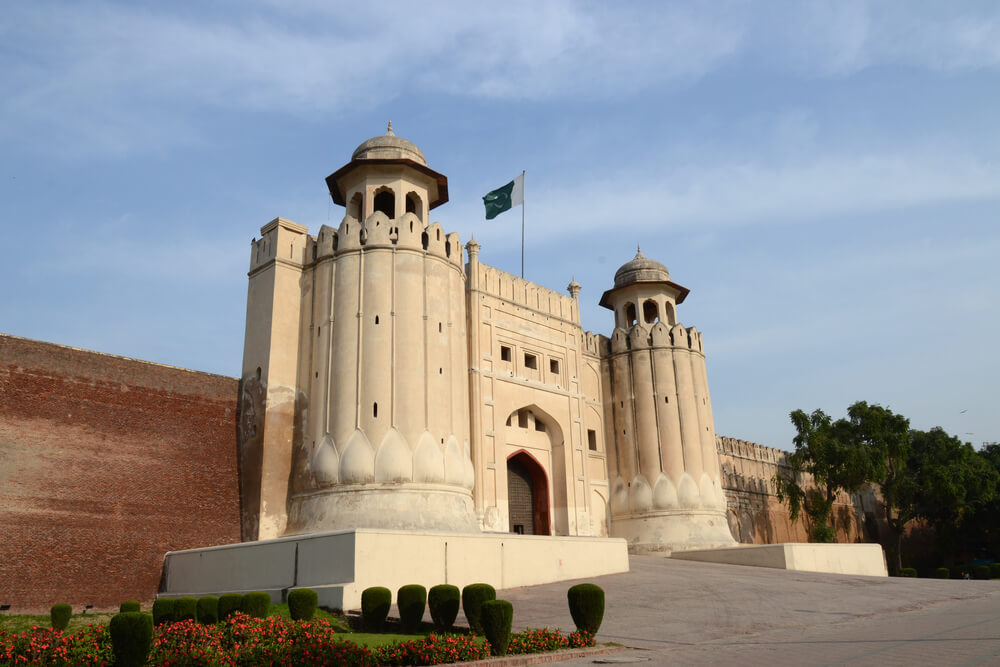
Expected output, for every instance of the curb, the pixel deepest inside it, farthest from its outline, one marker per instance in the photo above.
(540, 658)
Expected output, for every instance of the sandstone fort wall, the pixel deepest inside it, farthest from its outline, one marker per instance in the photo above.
(106, 463)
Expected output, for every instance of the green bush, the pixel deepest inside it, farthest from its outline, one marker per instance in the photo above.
(185, 608)
(411, 600)
(59, 615)
(586, 606)
(473, 597)
(208, 610)
(375, 603)
(163, 610)
(942, 573)
(958, 571)
(131, 638)
(497, 616)
(980, 571)
(302, 604)
(908, 572)
(129, 605)
(994, 570)
(256, 604)
(444, 600)
(228, 603)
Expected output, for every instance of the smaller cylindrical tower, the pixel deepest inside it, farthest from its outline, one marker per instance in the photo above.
(667, 494)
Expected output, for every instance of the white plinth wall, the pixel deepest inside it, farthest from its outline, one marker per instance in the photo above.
(865, 559)
(339, 565)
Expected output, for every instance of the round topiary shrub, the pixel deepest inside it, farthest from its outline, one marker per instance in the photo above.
(444, 601)
(131, 638)
(411, 600)
(908, 572)
(59, 615)
(208, 610)
(375, 603)
(185, 608)
(586, 606)
(228, 603)
(497, 616)
(256, 604)
(302, 604)
(129, 605)
(980, 571)
(163, 610)
(995, 571)
(942, 573)
(473, 597)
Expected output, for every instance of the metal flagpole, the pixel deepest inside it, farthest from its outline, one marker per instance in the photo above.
(522, 223)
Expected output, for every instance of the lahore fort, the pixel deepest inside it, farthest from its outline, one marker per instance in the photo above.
(393, 385)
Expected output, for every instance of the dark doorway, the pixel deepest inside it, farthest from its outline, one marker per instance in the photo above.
(527, 496)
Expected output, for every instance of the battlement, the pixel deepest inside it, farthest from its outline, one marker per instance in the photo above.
(660, 334)
(525, 293)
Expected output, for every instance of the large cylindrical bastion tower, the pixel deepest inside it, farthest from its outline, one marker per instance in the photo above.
(666, 492)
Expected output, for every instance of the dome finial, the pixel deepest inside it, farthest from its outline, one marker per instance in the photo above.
(389, 132)
(638, 250)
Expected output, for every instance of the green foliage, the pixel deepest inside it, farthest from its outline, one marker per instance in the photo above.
(586, 606)
(163, 610)
(185, 608)
(130, 605)
(411, 600)
(444, 601)
(958, 571)
(375, 603)
(302, 603)
(208, 610)
(497, 617)
(59, 615)
(256, 604)
(981, 572)
(131, 638)
(994, 570)
(228, 603)
(908, 572)
(473, 597)
(942, 573)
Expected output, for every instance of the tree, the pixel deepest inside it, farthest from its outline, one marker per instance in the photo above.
(837, 456)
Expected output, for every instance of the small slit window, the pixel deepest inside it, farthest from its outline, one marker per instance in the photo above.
(376, 319)
(540, 425)
(522, 419)
(505, 353)
(592, 439)
(375, 410)
(530, 361)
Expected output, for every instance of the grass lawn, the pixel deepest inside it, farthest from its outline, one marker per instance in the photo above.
(22, 622)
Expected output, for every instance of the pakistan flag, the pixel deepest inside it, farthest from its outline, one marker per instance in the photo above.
(502, 199)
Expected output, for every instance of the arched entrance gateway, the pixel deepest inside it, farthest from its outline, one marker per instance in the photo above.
(527, 495)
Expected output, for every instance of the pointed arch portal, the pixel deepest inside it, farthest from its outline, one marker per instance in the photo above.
(527, 495)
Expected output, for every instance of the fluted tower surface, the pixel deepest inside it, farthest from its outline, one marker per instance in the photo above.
(667, 493)
(387, 434)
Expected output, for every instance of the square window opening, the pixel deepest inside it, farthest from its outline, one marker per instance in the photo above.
(505, 353)
(530, 361)
(554, 366)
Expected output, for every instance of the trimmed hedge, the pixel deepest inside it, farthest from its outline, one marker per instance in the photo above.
(302, 603)
(942, 573)
(908, 572)
(586, 606)
(129, 605)
(375, 603)
(995, 571)
(131, 638)
(473, 597)
(256, 604)
(59, 616)
(163, 610)
(980, 571)
(444, 601)
(185, 609)
(497, 616)
(228, 603)
(411, 600)
(208, 610)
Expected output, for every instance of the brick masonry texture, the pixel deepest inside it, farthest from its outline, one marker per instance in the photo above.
(107, 463)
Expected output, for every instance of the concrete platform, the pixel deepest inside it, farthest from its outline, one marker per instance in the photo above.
(862, 559)
(339, 565)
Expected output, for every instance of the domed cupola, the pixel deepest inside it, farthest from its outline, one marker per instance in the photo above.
(643, 292)
(389, 146)
(641, 269)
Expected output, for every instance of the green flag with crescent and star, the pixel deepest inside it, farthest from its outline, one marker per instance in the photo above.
(504, 198)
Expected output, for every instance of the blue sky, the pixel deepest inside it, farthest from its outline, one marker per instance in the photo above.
(823, 176)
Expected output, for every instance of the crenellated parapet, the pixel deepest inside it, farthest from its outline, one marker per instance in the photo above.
(524, 293)
(659, 335)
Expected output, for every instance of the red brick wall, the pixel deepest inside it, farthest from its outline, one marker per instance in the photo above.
(106, 463)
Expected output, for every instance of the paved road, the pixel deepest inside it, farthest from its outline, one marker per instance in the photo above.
(689, 613)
